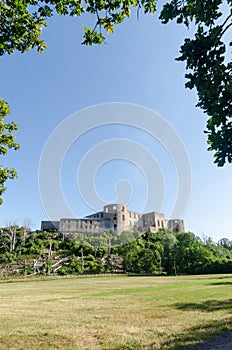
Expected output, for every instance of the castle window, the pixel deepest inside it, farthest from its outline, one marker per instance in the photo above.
(122, 208)
(114, 207)
(158, 223)
(106, 209)
(101, 215)
(123, 217)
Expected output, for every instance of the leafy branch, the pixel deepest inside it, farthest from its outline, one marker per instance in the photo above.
(7, 141)
(205, 56)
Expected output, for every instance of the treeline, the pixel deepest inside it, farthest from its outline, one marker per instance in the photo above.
(23, 252)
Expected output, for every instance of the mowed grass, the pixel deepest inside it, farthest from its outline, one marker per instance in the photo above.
(113, 312)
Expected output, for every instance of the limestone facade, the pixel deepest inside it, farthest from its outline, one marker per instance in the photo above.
(114, 218)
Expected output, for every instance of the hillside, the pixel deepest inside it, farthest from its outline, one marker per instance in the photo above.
(23, 252)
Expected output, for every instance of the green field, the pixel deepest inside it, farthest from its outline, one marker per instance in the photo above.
(113, 312)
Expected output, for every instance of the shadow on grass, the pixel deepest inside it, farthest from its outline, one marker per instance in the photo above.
(224, 276)
(206, 306)
(195, 338)
(224, 283)
(198, 337)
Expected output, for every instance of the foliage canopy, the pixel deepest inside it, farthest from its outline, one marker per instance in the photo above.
(7, 141)
(207, 56)
(163, 252)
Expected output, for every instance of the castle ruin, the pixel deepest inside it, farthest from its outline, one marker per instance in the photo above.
(115, 218)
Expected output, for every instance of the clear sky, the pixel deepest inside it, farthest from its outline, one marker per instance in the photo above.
(136, 66)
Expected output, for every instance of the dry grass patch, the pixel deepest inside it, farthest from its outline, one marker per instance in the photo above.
(113, 312)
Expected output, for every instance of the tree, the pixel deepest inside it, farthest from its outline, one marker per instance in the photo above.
(26, 229)
(170, 241)
(186, 251)
(155, 242)
(22, 21)
(131, 253)
(225, 243)
(191, 255)
(7, 141)
(205, 56)
(11, 231)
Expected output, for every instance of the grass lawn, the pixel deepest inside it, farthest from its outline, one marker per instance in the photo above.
(113, 312)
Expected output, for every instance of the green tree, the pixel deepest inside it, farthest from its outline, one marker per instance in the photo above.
(193, 257)
(7, 141)
(22, 21)
(147, 262)
(155, 242)
(130, 253)
(168, 260)
(225, 243)
(207, 57)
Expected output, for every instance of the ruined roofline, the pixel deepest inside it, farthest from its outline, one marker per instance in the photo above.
(151, 212)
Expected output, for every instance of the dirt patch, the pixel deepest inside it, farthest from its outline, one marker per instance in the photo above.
(222, 342)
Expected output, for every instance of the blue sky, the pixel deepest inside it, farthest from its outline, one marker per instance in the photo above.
(136, 66)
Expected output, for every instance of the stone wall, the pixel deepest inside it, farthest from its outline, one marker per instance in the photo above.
(115, 218)
(177, 225)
